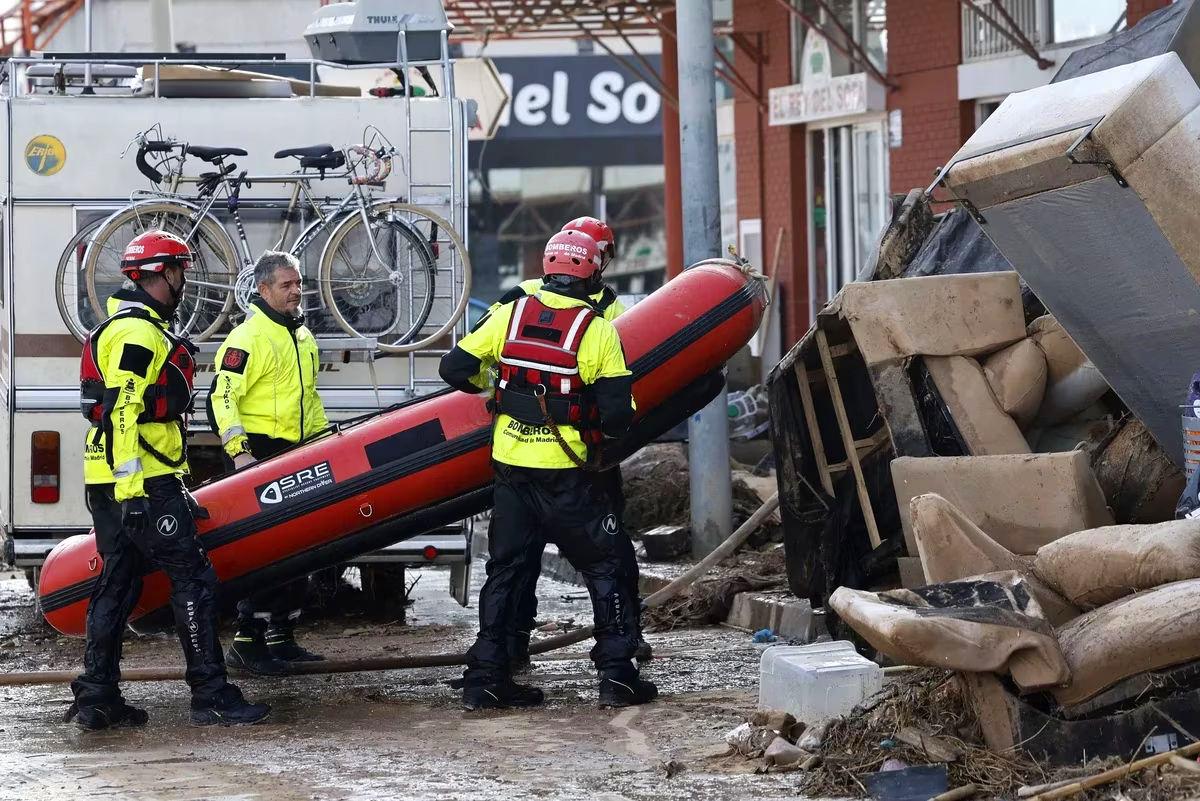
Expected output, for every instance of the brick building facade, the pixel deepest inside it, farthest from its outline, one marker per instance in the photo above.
(939, 94)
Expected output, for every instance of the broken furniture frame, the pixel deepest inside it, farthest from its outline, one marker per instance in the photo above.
(1139, 727)
(829, 437)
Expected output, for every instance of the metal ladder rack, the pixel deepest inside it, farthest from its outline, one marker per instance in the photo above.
(455, 189)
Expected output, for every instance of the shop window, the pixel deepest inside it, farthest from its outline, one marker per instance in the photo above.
(1072, 20)
(866, 20)
(849, 203)
(985, 109)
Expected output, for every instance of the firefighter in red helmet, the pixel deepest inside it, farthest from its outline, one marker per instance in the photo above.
(561, 387)
(136, 392)
(606, 303)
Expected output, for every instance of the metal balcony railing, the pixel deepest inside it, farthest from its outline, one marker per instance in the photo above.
(981, 40)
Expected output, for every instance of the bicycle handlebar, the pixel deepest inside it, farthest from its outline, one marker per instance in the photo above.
(378, 165)
(145, 168)
(151, 146)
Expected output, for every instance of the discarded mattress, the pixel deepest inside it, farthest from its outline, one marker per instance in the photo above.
(945, 315)
(410, 469)
(1072, 382)
(1095, 567)
(975, 626)
(1017, 377)
(1021, 501)
(984, 426)
(1088, 188)
(953, 548)
(1148, 631)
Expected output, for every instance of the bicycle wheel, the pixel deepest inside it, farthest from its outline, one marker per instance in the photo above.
(208, 296)
(70, 284)
(378, 280)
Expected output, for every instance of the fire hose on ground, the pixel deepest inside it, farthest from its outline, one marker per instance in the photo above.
(683, 582)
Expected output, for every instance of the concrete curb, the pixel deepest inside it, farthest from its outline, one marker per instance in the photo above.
(791, 618)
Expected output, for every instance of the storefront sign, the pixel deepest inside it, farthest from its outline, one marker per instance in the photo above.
(576, 96)
(838, 97)
(575, 110)
(820, 95)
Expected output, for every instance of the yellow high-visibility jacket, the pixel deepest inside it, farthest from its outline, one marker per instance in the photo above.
(131, 352)
(600, 356)
(267, 381)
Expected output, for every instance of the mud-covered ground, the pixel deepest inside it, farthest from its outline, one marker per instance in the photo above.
(394, 735)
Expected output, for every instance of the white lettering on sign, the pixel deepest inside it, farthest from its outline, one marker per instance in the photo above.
(610, 100)
(558, 100)
(529, 102)
(605, 107)
(837, 97)
(640, 103)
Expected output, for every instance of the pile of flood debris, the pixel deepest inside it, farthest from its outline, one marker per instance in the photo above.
(922, 733)
(979, 447)
(658, 500)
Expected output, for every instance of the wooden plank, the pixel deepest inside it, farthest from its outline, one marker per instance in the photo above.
(872, 442)
(839, 410)
(844, 349)
(810, 419)
(864, 448)
(990, 702)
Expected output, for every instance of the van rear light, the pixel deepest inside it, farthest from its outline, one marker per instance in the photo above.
(44, 466)
(430, 552)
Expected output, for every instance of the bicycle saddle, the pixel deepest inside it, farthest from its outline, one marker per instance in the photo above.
(213, 154)
(328, 161)
(311, 150)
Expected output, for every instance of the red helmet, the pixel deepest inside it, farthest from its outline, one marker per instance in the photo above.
(571, 253)
(598, 230)
(154, 252)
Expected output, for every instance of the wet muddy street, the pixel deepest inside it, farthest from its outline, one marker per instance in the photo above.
(395, 734)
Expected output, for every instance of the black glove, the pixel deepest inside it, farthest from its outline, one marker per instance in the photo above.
(135, 515)
(198, 511)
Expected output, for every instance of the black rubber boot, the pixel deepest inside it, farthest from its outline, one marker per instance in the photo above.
(281, 642)
(107, 715)
(518, 653)
(501, 695)
(249, 651)
(625, 690)
(227, 708)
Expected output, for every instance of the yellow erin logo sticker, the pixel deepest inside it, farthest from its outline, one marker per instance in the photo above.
(45, 154)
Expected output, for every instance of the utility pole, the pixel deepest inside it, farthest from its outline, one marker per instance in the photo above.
(708, 431)
(162, 33)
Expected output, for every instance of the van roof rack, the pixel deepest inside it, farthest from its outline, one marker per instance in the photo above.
(151, 56)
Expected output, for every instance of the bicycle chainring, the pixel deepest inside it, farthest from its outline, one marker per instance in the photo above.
(244, 288)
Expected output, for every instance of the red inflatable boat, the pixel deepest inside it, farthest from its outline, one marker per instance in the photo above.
(420, 465)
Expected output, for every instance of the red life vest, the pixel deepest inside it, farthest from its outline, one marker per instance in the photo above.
(167, 400)
(541, 357)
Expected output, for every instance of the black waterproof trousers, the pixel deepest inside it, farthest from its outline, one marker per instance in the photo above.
(282, 604)
(527, 603)
(169, 544)
(567, 508)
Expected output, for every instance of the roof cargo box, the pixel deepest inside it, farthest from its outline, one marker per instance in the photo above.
(368, 31)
